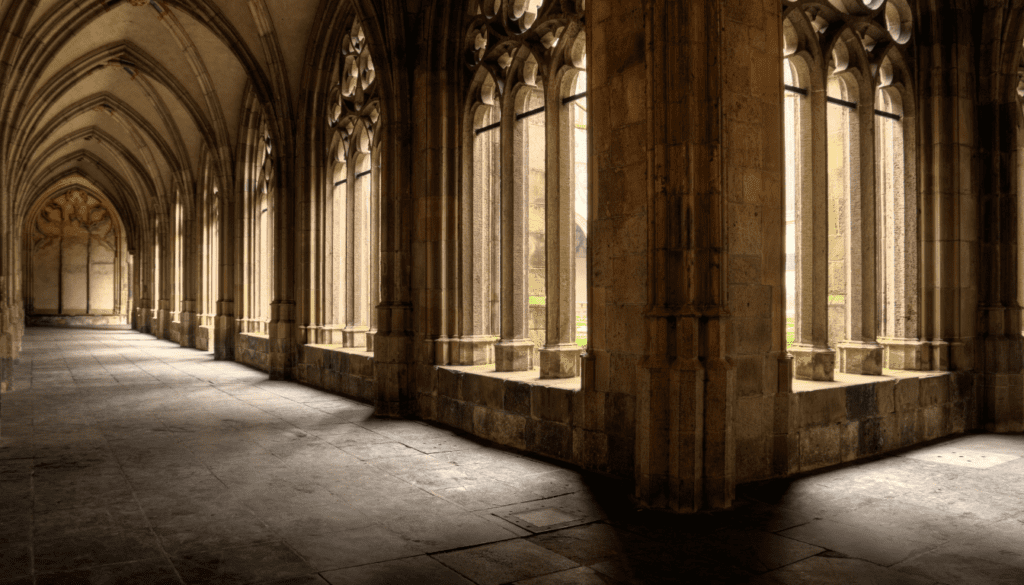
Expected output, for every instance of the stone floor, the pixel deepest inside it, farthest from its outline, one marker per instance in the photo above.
(124, 459)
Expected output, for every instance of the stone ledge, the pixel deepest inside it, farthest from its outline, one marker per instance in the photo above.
(860, 416)
(516, 409)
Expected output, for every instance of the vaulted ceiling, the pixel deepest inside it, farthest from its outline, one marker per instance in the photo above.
(128, 94)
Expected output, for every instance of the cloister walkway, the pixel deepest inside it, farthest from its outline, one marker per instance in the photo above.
(124, 459)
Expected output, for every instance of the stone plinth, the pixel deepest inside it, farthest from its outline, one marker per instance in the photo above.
(857, 357)
(813, 363)
(513, 356)
(560, 361)
(905, 354)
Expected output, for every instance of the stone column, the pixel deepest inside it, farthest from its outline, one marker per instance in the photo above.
(225, 327)
(813, 359)
(393, 342)
(999, 345)
(191, 269)
(560, 356)
(904, 349)
(477, 212)
(860, 352)
(514, 351)
(356, 252)
(281, 330)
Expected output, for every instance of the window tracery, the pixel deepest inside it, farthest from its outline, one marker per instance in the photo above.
(354, 118)
(846, 80)
(258, 209)
(524, 199)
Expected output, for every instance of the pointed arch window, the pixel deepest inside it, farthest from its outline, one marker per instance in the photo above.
(258, 226)
(525, 152)
(850, 222)
(354, 219)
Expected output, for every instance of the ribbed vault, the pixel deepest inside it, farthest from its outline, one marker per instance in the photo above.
(128, 94)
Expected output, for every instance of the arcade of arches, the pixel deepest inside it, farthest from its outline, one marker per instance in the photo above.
(689, 244)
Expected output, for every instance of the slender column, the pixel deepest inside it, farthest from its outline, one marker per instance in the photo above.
(860, 352)
(901, 338)
(281, 330)
(479, 199)
(356, 327)
(813, 359)
(514, 352)
(559, 358)
(373, 297)
(225, 326)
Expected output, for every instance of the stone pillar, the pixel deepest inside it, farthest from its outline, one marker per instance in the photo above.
(225, 326)
(904, 349)
(813, 359)
(393, 343)
(949, 201)
(686, 382)
(560, 356)
(356, 273)
(478, 218)
(282, 326)
(860, 352)
(514, 351)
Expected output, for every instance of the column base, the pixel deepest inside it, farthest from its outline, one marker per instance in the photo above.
(858, 357)
(813, 363)
(513, 356)
(474, 350)
(354, 336)
(224, 329)
(560, 361)
(189, 323)
(905, 354)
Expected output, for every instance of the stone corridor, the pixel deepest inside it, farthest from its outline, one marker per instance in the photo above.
(125, 459)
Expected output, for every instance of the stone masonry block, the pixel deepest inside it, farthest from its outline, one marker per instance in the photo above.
(869, 437)
(361, 366)
(934, 390)
(820, 447)
(932, 417)
(590, 449)
(593, 412)
(753, 417)
(849, 440)
(621, 455)
(471, 388)
(620, 415)
(500, 427)
(516, 397)
(885, 396)
(908, 427)
(552, 404)
(822, 407)
(861, 402)
(907, 394)
(449, 383)
(748, 375)
(752, 458)
(549, 438)
(491, 392)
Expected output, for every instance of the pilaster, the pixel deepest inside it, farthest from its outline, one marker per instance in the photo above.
(224, 331)
(281, 330)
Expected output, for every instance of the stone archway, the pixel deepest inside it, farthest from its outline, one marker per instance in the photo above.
(76, 262)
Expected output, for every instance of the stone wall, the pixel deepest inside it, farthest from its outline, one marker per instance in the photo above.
(204, 335)
(253, 349)
(829, 426)
(346, 372)
(754, 211)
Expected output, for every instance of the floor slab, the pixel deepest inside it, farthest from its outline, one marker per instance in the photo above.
(126, 459)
